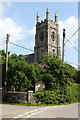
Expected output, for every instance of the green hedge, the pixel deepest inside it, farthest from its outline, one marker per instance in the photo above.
(73, 93)
(70, 94)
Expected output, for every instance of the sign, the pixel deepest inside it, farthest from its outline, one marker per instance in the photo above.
(39, 86)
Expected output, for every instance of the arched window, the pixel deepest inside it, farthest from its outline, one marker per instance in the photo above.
(53, 36)
(41, 36)
(53, 50)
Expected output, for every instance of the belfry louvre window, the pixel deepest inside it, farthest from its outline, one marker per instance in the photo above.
(53, 50)
(41, 36)
(53, 36)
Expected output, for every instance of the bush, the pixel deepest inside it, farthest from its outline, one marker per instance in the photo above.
(48, 97)
(71, 95)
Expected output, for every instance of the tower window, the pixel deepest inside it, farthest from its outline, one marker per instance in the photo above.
(53, 36)
(41, 36)
(53, 50)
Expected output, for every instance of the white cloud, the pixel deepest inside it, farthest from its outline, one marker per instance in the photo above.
(17, 33)
(7, 25)
(31, 31)
(75, 66)
(70, 25)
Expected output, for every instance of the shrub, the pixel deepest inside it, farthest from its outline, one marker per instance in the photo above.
(48, 97)
(71, 95)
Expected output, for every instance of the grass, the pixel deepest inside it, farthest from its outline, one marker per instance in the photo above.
(34, 104)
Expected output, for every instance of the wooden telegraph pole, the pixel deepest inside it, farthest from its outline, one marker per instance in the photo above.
(63, 61)
(5, 83)
(63, 45)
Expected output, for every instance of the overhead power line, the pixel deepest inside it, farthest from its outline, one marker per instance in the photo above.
(21, 46)
(72, 35)
(74, 46)
(68, 40)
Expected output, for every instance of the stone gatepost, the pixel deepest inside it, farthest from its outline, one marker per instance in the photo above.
(30, 97)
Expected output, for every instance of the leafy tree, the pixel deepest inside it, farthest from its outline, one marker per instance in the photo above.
(16, 74)
(22, 75)
(60, 79)
(3, 62)
(63, 73)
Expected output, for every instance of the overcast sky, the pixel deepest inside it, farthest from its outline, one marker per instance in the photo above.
(19, 19)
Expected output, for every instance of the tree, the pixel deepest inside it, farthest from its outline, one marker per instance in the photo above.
(22, 75)
(60, 80)
(51, 71)
(64, 73)
(3, 61)
(16, 73)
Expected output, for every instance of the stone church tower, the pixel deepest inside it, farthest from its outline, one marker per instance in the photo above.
(47, 37)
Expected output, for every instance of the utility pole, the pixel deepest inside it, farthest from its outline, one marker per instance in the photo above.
(5, 83)
(63, 45)
(63, 64)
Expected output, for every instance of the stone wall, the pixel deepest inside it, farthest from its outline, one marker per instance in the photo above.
(20, 97)
(17, 97)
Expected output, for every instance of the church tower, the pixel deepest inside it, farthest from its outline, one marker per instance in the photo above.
(47, 37)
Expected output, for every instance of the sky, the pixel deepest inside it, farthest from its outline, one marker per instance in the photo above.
(19, 20)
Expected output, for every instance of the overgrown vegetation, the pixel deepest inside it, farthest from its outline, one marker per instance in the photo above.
(61, 80)
(71, 95)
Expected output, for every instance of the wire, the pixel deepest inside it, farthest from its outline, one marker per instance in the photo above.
(74, 46)
(70, 42)
(21, 46)
(72, 35)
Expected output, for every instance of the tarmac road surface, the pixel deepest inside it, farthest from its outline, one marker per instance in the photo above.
(62, 111)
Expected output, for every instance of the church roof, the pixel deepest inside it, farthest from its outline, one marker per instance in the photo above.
(29, 58)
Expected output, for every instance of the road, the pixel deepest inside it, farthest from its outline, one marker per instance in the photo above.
(62, 111)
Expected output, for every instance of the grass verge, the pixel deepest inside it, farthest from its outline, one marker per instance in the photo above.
(34, 104)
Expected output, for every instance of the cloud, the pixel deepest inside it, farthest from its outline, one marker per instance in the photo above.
(17, 33)
(7, 25)
(70, 25)
(75, 66)
(31, 31)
